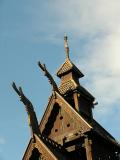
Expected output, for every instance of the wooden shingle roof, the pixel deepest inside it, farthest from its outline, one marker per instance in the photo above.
(68, 66)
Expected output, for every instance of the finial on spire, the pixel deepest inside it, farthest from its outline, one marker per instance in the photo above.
(66, 46)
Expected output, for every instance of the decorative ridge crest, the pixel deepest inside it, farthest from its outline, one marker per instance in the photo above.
(33, 122)
(51, 142)
(49, 76)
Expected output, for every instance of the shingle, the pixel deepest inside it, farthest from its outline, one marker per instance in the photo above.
(68, 66)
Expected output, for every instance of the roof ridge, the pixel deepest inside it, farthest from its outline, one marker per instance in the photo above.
(50, 141)
(67, 60)
(67, 66)
(39, 138)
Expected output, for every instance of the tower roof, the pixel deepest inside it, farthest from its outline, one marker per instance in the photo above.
(68, 66)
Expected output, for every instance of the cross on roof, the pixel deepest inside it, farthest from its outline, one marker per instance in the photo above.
(66, 46)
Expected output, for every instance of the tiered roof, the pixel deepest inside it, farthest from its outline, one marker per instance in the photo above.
(67, 67)
(43, 139)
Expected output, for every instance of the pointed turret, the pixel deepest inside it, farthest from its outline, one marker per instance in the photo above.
(70, 87)
(68, 66)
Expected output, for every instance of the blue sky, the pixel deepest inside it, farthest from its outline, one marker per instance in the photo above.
(33, 30)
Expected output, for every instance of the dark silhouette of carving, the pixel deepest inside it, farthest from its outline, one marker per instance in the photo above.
(30, 110)
(49, 76)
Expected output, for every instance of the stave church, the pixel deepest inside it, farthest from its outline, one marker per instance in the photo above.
(67, 130)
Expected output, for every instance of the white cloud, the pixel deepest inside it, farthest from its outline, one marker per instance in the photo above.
(85, 17)
(104, 69)
(99, 22)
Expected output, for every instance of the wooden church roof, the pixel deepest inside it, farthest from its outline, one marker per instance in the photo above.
(68, 66)
(63, 114)
(46, 146)
(90, 125)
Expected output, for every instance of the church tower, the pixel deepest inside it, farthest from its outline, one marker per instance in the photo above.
(79, 98)
(67, 130)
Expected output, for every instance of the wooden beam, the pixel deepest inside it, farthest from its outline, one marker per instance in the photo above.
(75, 96)
(88, 149)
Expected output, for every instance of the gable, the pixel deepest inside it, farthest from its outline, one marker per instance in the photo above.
(43, 150)
(64, 125)
(47, 113)
(60, 120)
(28, 151)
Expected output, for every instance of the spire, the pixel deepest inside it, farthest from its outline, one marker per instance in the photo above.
(66, 46)
(68, 66)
